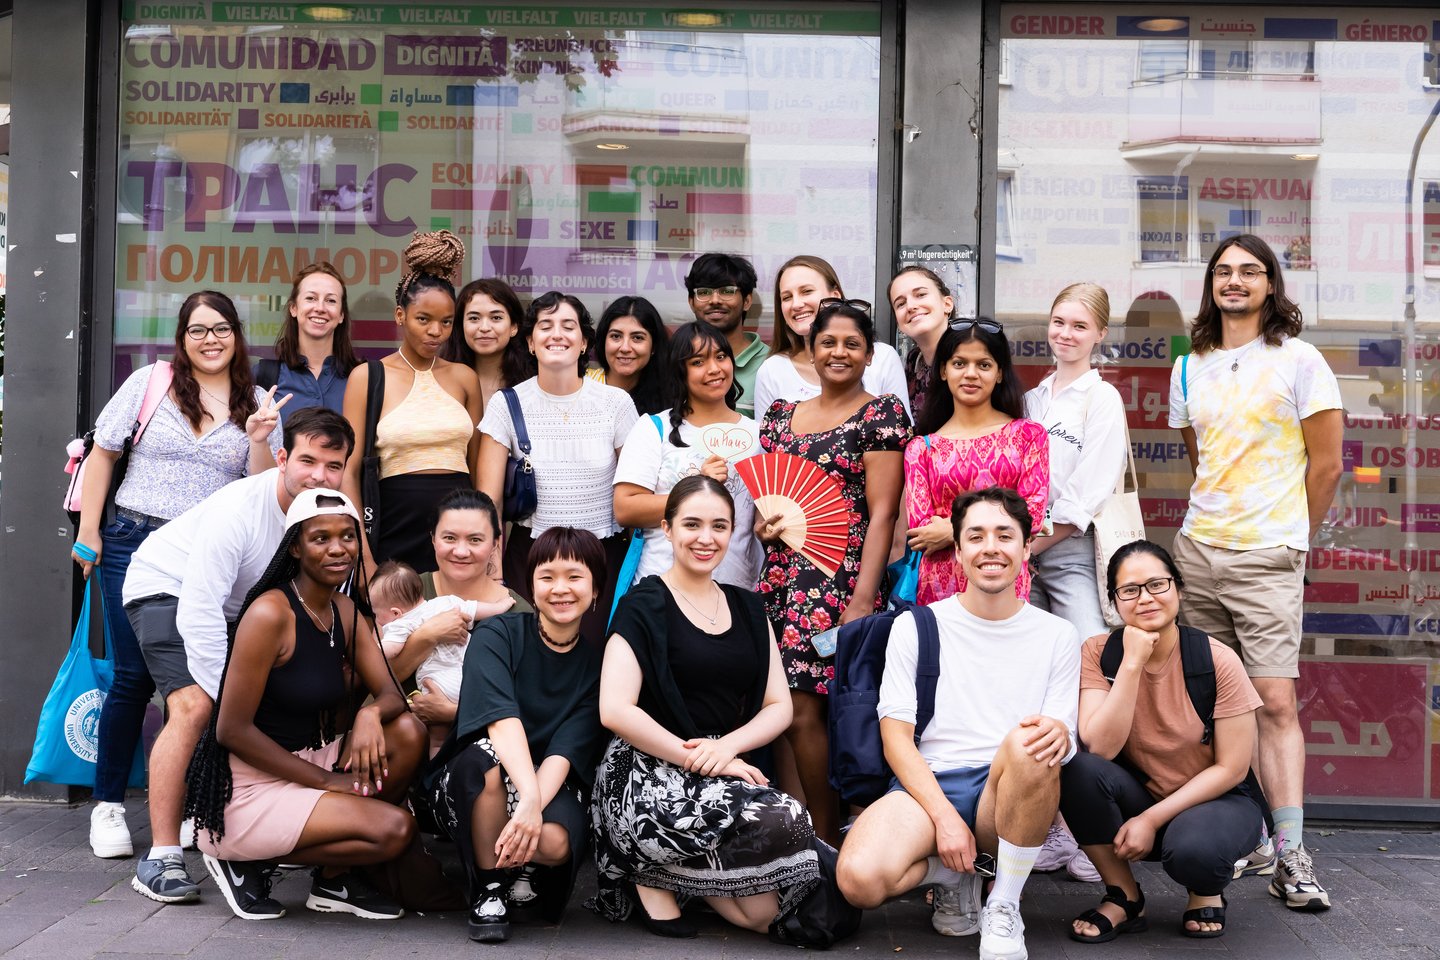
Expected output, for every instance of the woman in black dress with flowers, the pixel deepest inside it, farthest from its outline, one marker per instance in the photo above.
(859, 440)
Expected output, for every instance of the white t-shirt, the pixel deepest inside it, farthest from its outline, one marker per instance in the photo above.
(650, 461)
(446, 663)
(573, 440)
(993, 673)
(1249, 490)
(778, 380)
(209, 557)
(1086, 424)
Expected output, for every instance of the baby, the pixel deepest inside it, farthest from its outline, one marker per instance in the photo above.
(400, 608)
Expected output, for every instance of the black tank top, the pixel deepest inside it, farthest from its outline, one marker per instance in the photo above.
(302, 696)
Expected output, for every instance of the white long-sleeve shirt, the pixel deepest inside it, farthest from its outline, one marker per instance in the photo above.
(777, 380)
(209, 557)
(993, 673)
(1086, 424)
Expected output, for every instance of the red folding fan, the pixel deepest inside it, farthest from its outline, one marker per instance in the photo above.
(813, 511)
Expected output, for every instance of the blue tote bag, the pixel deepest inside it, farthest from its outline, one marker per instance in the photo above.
(67, 736)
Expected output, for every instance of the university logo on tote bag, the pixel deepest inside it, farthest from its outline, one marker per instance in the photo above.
(67, 736)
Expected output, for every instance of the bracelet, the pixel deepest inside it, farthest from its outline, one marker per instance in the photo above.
(84, 552)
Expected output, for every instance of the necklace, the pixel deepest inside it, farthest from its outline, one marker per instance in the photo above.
(552, 641)
(562, 408)
(1240, 352)
(708, 618)
(412, 366)
(224, 403)
(330, 630)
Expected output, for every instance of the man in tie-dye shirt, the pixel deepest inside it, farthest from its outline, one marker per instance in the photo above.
(1260, 413)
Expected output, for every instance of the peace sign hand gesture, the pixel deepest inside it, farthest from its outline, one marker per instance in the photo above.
(259, 424)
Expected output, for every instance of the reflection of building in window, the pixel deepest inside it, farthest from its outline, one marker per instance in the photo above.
(1167, 59)
(1430, 227)
(1163, 208)
(1005, 245)
(1430, 65)
(1220, 205)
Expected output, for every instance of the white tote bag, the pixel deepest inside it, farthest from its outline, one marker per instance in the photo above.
(1119, 522)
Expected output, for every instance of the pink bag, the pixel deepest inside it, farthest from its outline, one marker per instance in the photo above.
(161, 376)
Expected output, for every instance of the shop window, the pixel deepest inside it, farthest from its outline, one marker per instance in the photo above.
(1005, 245)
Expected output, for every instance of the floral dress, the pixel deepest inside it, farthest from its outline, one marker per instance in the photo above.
(938, 469)
(801, 601)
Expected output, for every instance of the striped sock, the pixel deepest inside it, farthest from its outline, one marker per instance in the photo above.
(1012, 869)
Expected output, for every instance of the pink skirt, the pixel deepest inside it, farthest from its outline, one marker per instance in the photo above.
(266, 814)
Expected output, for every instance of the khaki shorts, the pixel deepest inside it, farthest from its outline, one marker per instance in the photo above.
(1251, 600)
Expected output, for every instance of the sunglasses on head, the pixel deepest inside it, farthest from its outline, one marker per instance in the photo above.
(830, 302)
(989, 326)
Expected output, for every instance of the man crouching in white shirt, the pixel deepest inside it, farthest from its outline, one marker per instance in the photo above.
(187, 580)
(985, 776)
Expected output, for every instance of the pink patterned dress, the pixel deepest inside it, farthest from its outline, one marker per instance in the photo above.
(1015, 456)
(800, 600)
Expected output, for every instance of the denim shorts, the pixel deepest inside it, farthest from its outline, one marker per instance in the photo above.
(961, 786)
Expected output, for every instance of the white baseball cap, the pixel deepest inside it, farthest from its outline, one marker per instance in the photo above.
(307, 505)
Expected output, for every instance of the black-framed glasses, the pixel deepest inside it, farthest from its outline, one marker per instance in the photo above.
(702, 293)
(222, 331)
(989, 326)
(1248, 273)
(830, 302)
(1154, 587)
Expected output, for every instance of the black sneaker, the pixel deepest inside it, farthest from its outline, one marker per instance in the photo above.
(489, 918)
(351, 893)
(246, 886)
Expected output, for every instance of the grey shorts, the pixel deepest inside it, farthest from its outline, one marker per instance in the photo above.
(153, 619)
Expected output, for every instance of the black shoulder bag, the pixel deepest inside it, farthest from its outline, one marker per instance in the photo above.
(370, 463)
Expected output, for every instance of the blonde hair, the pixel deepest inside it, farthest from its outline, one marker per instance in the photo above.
(1092, 297)
(396, 584)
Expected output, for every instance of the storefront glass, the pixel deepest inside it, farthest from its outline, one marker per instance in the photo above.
(593, 149)
(1133, 141)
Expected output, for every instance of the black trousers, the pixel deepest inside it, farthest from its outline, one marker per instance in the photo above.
(1198, 848)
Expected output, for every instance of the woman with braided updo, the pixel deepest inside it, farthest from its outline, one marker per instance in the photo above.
(292, 765)
(425, 430)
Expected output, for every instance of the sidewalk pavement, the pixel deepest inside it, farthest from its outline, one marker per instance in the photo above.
(58, 902)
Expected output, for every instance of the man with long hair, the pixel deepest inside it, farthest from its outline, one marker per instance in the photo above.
(1261, 416)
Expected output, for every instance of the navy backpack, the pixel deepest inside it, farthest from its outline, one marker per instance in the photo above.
(858, 770)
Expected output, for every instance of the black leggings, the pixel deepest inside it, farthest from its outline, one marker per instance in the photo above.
(1198, 848)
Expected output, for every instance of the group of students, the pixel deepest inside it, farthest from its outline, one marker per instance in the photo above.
(676, 721)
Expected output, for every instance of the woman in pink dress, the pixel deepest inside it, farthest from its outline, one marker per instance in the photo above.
(971, 434)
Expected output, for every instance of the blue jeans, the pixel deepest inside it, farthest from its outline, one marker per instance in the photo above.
(123, 715)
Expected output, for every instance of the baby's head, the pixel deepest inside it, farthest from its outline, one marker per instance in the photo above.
(395, 590)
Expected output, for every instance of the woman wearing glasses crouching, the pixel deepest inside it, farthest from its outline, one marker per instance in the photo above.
(1152, 782)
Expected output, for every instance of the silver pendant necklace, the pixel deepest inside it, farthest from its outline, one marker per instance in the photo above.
(330, 630)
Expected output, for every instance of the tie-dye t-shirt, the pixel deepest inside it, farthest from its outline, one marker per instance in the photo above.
(1249, 491)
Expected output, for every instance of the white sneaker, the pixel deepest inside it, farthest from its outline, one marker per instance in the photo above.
(109, 833)
(957, 906)
(1057, 851)
(1002, 932)
(1080, 868)
(187, 834)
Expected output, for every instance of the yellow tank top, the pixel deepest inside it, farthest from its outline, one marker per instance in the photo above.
(429, 430)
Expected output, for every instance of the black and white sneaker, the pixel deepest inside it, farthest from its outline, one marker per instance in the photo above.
(246, 886)
(524, 901)
(351, 893)
(489, 918)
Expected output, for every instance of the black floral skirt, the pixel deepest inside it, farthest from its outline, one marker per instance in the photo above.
(658, 825)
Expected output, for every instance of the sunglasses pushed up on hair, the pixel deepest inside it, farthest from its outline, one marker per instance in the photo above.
(989, 326)
(830, 303)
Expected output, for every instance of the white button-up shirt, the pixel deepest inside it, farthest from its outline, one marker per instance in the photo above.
(1086, 424)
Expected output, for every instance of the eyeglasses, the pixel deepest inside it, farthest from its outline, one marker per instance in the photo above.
(1131, 591)
(989, 326)
(222, 331)
(704, 293)
(831, 302)
(1249, 273)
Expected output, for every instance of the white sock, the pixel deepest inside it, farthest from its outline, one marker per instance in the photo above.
(1012, 869)
(157, 852)
(937, 872)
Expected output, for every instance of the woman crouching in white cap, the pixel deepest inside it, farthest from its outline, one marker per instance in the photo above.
(289, 768)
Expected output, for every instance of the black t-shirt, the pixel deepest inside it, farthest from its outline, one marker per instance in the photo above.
(716, 672)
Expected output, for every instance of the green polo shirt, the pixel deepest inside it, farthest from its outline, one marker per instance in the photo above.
(747, 365)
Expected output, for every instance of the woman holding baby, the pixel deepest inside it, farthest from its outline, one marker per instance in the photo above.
(464, 537)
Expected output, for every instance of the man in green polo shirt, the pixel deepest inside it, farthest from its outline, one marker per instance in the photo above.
(721, 288)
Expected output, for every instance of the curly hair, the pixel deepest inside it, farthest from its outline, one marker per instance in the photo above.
(432, 262)
(209, 783)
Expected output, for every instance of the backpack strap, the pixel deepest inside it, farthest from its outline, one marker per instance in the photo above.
(517, 417)
(1199, 667)
(374, 400)
(1184, 377)
(659, 427)
(927, 667)
(161, 376)
(267, 373)
(1112, 654)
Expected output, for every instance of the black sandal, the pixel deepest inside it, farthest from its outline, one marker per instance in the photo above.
(1205, 915)
(1134, 921)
